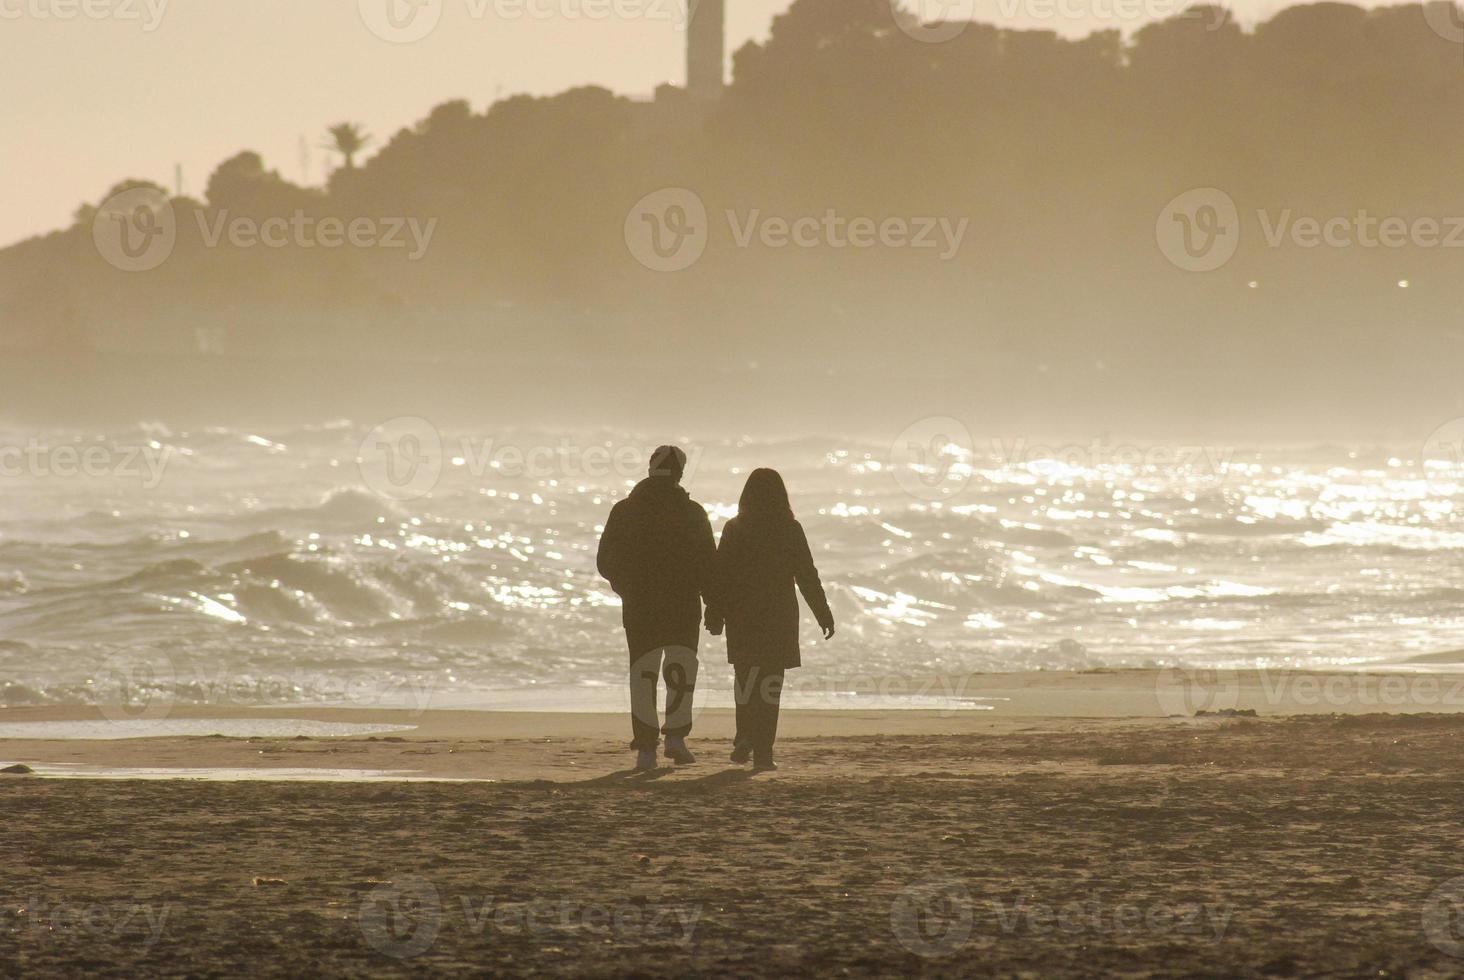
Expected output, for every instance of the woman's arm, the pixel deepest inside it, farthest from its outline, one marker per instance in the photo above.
(806, 575)
(717, 596)
(704, 560)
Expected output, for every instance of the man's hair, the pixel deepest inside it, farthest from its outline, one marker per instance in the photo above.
(668, 461)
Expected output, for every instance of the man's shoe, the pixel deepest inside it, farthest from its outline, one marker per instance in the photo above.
(645, 760)
(764, 763)
(678, 753)
(741, 752)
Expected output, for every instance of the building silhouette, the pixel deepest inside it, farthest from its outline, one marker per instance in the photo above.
(706, 47)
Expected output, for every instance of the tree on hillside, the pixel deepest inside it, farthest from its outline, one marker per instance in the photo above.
(242, 184)
(347, 139)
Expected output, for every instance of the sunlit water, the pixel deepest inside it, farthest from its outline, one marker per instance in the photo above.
(266, 568)
(73, 770)
(122, 728)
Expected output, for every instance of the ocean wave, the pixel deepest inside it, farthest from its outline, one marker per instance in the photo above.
(265, 552)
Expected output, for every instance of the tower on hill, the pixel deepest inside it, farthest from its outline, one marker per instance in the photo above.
(706, 46)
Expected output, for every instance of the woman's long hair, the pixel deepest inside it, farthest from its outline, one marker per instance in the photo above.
(765, 498)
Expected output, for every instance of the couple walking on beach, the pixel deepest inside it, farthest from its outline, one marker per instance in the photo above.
(660, 557)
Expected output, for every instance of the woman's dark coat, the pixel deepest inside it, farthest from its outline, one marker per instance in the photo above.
(759, 563)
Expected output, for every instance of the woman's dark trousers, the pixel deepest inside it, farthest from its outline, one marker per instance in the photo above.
(759, 693)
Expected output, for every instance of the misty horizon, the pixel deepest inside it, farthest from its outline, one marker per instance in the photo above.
(1133, 231)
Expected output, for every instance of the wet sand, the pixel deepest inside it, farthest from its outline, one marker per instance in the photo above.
(1299, 842)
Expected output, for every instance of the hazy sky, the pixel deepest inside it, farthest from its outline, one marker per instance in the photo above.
(97, 91)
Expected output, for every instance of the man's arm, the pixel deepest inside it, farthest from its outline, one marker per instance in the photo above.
(612, 558)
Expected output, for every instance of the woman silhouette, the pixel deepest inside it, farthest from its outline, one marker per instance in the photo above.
(763, 555)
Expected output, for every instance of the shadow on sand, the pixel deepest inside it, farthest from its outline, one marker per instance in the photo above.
(633, 779)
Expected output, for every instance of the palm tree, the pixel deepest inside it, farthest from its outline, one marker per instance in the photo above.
(348, 139)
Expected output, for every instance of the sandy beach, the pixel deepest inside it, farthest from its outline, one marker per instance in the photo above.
(1102, 836)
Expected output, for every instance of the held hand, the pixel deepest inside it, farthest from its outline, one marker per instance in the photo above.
(714, 628)
(828, 632)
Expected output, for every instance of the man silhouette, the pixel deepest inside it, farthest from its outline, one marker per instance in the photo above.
(657, 552)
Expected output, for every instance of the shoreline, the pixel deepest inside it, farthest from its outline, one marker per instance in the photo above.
(370, 743)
